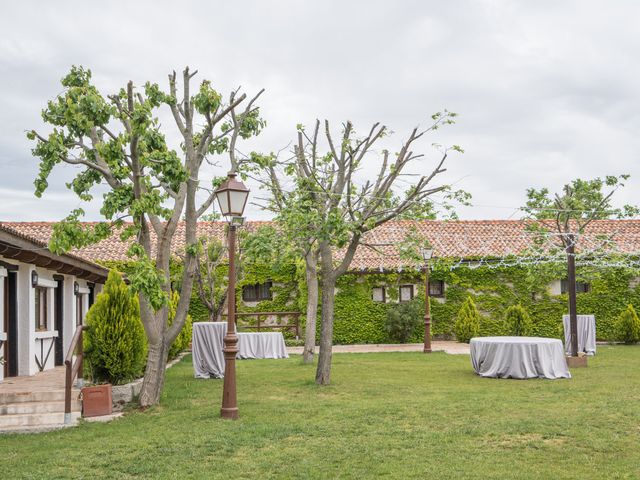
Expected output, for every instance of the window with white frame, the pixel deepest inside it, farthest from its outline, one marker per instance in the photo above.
(436, 288)
(406, 293)
(79, 309)
(257, 292)
(379, 294)
(581, 287)
(41, 308)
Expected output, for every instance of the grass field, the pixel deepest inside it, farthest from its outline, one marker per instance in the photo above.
(390, 415)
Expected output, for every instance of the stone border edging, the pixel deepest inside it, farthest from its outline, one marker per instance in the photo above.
(123, 394)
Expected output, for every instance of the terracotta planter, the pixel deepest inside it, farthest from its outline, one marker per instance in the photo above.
(96, 401)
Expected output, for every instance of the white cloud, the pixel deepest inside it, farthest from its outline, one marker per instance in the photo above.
(546, 90)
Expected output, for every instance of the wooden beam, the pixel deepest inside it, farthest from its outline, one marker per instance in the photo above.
(14, 245)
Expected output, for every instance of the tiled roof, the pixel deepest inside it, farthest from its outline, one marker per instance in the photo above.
(38, 247)
(464, 238)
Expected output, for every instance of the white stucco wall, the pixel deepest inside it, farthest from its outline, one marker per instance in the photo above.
(554, 288)
(3, 336)
(29, 340)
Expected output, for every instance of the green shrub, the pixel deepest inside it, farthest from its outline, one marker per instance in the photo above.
(467, 323)
(403, 319)
(628, 326)
(115, 342)
(184, 337)
(518, 321)
(493, 327)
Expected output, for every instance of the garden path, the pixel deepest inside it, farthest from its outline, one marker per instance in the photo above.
(437, 346)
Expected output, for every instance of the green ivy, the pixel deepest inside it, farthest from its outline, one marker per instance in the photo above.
(358, 319)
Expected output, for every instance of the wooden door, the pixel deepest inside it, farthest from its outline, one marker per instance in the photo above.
(10, 325)
(58, 320)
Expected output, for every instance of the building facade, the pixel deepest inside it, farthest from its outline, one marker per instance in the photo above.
(43, 298)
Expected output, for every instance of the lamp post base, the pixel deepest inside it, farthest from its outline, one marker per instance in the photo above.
(577, 362)
(229, 408)
(229, 413)
(427, 335)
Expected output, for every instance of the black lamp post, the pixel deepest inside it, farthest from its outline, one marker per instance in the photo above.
(427, 253)
(232, 197)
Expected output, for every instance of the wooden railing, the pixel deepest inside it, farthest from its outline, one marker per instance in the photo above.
(295, 326)
(74, 368)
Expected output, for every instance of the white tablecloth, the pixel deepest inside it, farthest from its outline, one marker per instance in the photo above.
(586, 334)
(208, 341)
(518, 357)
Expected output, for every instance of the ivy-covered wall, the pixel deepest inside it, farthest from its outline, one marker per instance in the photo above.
(358, 319)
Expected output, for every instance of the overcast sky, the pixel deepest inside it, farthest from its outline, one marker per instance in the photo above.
(546, 90)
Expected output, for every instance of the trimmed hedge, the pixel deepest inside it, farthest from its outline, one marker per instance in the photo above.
(518, 321)
(403, 320)
(115, 343)
(628, 326)
(467, 323)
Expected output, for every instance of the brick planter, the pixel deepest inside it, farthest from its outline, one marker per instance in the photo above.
(96, 401)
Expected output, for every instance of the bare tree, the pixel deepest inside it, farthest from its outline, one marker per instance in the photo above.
(331, 212)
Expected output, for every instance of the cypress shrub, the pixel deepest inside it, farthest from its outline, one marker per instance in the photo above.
(628, 326)
(467, 323)
(403, 320)
(184, 337)
(518, 321)
(115, 342)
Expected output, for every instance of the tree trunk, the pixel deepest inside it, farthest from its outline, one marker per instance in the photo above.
(571, 290)
(154, 374)
(311, 275)
(323, 371)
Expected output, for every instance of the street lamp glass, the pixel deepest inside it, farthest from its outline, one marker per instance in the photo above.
(232, 196)
(427, 253)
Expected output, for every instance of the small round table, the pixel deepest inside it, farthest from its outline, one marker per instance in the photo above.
(518, 357)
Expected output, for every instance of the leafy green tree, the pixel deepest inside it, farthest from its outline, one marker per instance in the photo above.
(566, 216)
(115, 343)
(119, 148)
(333, 208)
(467, 323)
(628, 326)
(403, 319)
(518, 321)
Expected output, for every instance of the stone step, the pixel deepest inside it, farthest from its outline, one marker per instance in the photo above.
(34, 419)
(38, 407)
(38, 396)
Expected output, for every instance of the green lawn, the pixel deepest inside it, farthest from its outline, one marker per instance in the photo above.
(394, 415)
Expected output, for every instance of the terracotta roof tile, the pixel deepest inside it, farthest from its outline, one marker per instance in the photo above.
(464, 238)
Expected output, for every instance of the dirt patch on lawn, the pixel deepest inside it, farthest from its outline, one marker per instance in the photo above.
(518, 440)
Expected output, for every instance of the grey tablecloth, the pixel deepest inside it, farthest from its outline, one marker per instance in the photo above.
(586, 334)
(518, 357)
(206, 347)
(208, 340)
(261, 345)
